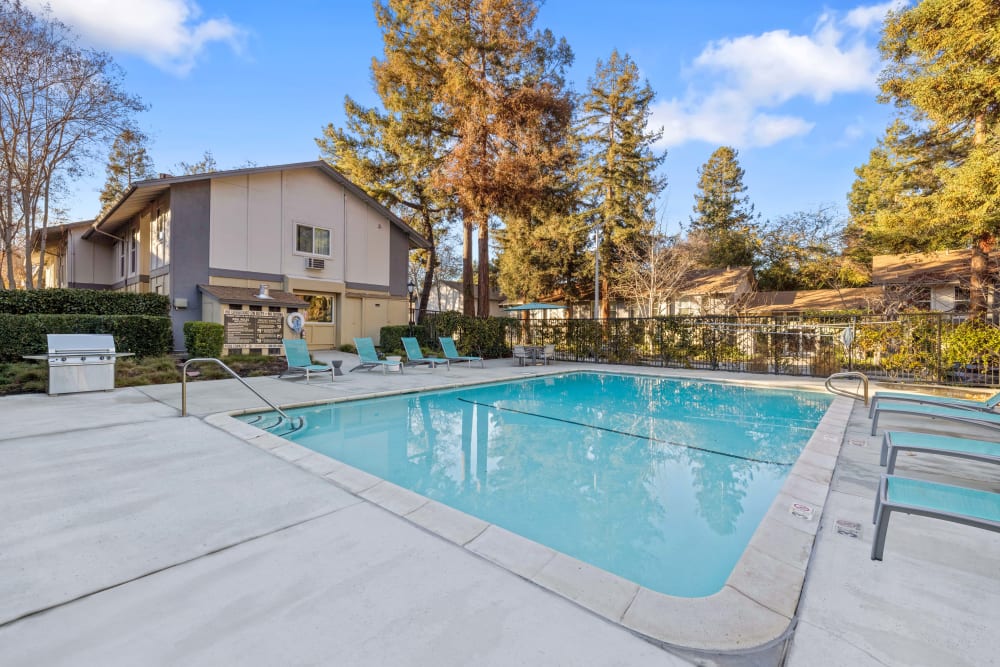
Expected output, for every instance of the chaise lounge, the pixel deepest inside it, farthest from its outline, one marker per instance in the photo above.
(943, 401)
(926, 443)
(451, 352)
(969, 507)
(987, 419)
(415, 356)
(299, 361)
(369, 357)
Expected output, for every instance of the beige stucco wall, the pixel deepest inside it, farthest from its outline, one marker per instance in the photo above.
(88, 262)
(253, 219)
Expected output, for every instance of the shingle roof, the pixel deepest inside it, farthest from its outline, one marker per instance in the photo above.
(140, 193)
(945, 266)
(848, 298)
(244, 295)
(715, 281)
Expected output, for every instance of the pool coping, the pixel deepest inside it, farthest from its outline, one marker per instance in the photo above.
(754, 609)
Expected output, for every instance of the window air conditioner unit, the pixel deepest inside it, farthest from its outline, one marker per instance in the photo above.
(315, 263)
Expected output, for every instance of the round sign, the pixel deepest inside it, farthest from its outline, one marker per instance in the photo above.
(296, 321)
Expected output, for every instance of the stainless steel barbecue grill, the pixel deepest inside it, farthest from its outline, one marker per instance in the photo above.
(81, 362)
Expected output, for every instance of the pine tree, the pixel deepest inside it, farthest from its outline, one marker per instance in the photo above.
(618, 174)
(128, 162)
(941, 62)
(392, 155)
(724, 217)
(205, 165)
(543, 252)
(490, 89)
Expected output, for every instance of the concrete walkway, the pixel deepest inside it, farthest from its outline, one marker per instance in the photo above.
(132, 536)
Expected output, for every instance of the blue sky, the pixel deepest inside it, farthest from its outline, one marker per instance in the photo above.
(791, 85)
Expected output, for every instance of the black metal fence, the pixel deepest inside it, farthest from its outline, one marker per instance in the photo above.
(941, 348)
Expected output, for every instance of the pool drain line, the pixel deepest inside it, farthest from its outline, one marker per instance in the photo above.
(627, 433)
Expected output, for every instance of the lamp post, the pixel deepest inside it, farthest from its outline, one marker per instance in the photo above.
(410, 289)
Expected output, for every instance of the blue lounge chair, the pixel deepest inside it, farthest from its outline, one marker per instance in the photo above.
(969, 507)
(415, 356)
(987, 419)
(299, 361)
(925, 443)
(451, 352)
(943, 401)
(369, 357)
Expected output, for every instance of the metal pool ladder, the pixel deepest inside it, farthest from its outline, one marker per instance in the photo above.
(849, 375)
(242, 382)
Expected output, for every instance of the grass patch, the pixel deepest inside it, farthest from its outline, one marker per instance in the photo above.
(25, 377)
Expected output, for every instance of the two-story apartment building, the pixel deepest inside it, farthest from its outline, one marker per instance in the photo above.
(322, 246)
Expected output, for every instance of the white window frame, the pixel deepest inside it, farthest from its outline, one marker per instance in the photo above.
(306, 253)
(121, 258)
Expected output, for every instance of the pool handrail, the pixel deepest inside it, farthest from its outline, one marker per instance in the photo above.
(231, 372)
(848, 375)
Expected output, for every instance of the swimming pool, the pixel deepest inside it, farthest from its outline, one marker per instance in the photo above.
(658, 480)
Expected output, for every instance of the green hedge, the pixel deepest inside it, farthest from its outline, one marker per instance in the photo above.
(204, 339)
(390, 338)
(486, 337)
(142, 335)
(82, 301)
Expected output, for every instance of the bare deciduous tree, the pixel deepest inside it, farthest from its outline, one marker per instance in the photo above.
(652, 272)
(58, 103)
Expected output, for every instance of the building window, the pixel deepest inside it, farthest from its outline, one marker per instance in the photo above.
(121, 258)
(133, 251)
(159, 231)
(320, 308)
(312, 240)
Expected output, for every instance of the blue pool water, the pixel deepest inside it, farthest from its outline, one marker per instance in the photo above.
(661, 481)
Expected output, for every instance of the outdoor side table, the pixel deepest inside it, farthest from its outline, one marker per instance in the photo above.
(335, 365)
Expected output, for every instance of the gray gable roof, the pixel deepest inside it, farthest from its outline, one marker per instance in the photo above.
(140, 193)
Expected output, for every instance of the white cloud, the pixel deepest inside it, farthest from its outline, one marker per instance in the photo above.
(738, 83)
(168, 33)
(863, 18)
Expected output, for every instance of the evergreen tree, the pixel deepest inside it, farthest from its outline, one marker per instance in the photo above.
(618, 174)
(128, 162)
(544, 253)
(495, 87)
(941, 64)
(392, 155)
(724, 217)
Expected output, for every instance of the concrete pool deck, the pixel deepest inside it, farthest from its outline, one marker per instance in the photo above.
(133, 536)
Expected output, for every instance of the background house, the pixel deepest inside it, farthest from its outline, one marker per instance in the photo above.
(69, 260)
(713, 292)
(446, 295)
(304, 231)
(929, 281)
(796, 302)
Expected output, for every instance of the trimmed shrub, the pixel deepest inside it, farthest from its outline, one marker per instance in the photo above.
(485, 337)
(390, 338)
(204, 339)
(141, 335)
(59, 301)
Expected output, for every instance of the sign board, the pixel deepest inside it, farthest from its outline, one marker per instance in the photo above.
(252, 328)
